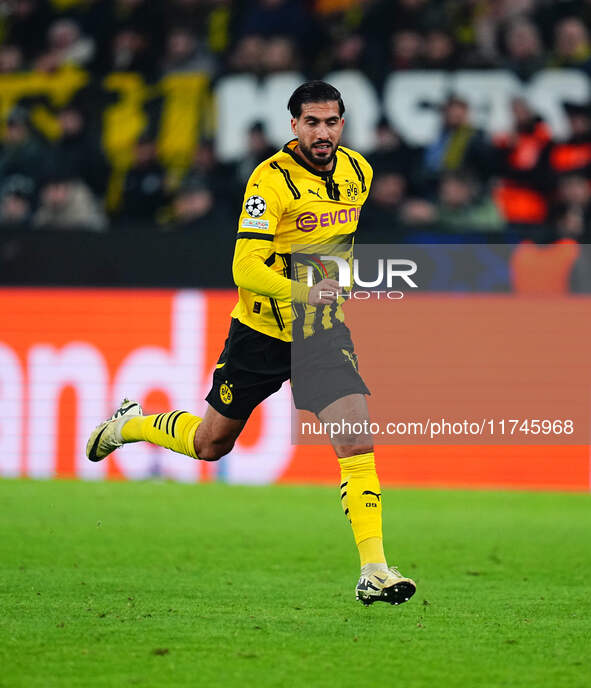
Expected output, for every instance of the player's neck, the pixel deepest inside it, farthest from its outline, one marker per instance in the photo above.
(321, 168)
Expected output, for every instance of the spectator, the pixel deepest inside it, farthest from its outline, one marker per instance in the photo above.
(207, 166)
(11, 59)
(21, 152)
(416, 15)
(406, 50)
(280, 55)
(94, 17)
(15, 211)
(574, 154)
(132, 36)
(193, 207)
(524, 49)
(519, 162)
(440, 51)
(146, 16)
(78, 150)
(548, 15)
(16, 202)
(569, 222)
(130, 52)
(144, 191)
(418, 211)
(458, 209)
(458, 146)
(67, 45)
(67, 203)
(391, 153)
(386, 199)
(185, 53)
(210, 21)
(572, 212)
(269, 18)
(574, 190)
(247, 55)
(475, 25)
(348, 53)
(382, 16)
(259, 149)
(571, 45)
(27, 23)
(193, 15)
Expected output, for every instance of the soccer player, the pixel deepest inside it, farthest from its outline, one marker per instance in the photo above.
(312, 187)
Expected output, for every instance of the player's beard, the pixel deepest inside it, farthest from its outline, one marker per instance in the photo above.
(309, 154)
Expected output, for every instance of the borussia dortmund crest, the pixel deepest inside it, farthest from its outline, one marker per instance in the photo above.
(352, 191)
(226, 393)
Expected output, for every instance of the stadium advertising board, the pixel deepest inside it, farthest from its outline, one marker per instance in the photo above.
(68, 357)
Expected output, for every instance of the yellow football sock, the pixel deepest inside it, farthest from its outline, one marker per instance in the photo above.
(174, 430)
(362, 502)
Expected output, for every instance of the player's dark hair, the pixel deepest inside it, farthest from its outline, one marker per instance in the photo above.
(314, 92)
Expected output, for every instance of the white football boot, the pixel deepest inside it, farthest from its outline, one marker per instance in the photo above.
(384, 586)
(106, 437)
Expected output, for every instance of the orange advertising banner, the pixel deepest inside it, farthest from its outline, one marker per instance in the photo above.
(68, 357)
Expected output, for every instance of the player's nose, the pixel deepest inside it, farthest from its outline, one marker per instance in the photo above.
(323, 132)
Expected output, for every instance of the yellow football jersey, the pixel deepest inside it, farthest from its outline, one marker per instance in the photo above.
(287, 204)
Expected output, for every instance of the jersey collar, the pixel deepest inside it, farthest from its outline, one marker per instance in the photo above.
(300, 161)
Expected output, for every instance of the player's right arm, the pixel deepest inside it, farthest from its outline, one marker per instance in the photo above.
(261, 211)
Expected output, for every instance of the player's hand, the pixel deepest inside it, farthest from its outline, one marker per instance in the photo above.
(324, 293)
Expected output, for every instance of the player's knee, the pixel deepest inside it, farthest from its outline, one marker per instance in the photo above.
(214, 450)
(353, 448)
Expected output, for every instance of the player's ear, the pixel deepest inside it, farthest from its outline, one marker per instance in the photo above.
(293, 124)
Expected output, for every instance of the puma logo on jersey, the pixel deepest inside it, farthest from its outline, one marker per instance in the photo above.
(315, 193)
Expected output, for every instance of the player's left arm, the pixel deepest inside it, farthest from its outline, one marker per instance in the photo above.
(255, 242)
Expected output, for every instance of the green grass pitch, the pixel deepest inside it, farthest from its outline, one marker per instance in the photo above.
(159, 584)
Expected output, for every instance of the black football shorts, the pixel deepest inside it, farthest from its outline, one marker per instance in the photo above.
(252, 366)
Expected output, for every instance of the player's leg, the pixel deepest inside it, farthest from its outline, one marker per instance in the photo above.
(241, 381)
(360, 487)
(326, 381)
(361, 499)
(208, 438)
(216, 435)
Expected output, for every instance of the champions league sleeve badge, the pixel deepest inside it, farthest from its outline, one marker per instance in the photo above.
(255, 206)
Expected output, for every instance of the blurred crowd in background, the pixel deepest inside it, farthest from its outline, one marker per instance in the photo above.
(60, 176)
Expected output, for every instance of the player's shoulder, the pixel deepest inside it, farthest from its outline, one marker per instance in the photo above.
(355, 158)
(267, 170)
(274, 177)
